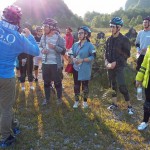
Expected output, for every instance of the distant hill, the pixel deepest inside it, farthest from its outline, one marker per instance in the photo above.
(137, 4)
(36, 11)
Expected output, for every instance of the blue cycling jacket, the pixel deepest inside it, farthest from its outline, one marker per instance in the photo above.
(12, 43)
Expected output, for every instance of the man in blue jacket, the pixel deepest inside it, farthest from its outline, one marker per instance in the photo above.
(12, 43)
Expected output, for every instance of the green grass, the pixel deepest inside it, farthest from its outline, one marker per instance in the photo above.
(52, 127)
(55, 127)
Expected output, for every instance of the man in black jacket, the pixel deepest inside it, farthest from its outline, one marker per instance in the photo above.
(117, 51)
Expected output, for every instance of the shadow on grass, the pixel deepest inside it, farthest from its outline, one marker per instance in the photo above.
(128, 124)
(79, 128)
(62, 127)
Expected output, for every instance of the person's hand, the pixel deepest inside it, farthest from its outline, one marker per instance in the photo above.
(106, 62)
(26, 32)
(79, 61)
(70, 60)
(50, 45)
(111, 65)
(45, 51)
(138, 83)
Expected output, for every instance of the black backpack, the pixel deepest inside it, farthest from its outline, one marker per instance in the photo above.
(100, 35)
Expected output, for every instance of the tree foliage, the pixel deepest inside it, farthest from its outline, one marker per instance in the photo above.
(35, 11)
(137, 4)
(131, 17)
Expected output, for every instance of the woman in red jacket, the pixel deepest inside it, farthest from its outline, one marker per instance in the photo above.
(69, 41)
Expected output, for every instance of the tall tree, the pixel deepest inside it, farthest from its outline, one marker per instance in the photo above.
(132, 22)
(139, 19)
(126, 21)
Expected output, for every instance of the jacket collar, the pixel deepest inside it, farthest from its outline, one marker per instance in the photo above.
(8, 25)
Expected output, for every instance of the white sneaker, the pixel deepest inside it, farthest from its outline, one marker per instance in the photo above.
(112, 107)
(32, 88)
(142, 126)
(85, 105)
(76, 104)
(130, 111)
(22, 88)
(44, 102)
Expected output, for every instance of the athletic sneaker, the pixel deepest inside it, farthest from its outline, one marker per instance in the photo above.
(23, 88)
(76, 104)
(142, 126)
(63, 86)
(112, 107)
(85, 105)
(8, 142)
(130, 110)
(44, 102)
(16, 131)
(32, 88)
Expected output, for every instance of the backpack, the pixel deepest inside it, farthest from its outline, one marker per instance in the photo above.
(100, 35)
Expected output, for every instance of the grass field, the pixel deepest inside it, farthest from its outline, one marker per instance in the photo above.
(55, 127)
(64, 128)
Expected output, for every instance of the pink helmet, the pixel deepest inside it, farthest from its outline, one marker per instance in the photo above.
(12, 14)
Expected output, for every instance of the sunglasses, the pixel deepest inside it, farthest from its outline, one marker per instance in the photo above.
(47, 26)
(80, 33)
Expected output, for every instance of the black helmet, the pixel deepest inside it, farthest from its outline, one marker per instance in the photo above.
(50, 22)
(12, 14)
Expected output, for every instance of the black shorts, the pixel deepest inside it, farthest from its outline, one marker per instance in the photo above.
(50, 72)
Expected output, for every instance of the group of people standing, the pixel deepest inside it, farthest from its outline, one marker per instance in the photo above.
(50, 47)
(23, 47)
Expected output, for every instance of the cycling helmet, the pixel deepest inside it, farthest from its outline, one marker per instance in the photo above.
(147, 18)
(12, 14)
(50, 22)
(117, 21)
(86, 29)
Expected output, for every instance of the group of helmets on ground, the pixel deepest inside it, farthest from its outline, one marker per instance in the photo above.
(52, 47)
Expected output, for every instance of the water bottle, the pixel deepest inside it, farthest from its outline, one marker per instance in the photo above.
(24, 61)
(139, 93)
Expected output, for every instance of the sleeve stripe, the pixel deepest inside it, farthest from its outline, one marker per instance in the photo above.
(142, 71)
(143, 68)
(93, 51)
